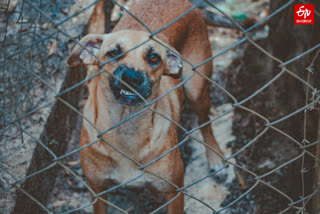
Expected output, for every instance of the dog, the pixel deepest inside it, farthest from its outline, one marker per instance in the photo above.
(138, 76)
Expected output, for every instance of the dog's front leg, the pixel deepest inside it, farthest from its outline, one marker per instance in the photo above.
(175, 207)
(99, 207)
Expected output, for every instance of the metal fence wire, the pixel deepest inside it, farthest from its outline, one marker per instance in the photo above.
(27, 88)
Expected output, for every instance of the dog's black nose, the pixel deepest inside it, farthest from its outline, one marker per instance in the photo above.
(131, 77)
(126, 81)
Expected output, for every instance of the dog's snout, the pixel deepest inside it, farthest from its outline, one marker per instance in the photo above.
(125, 80)
(132, 77)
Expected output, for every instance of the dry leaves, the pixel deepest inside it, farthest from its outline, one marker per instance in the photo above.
(53, 47)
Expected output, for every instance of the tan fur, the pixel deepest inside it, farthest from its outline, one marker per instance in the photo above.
(97, 19)
(148, 135)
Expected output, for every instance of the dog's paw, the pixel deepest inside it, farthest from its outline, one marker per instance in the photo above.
(220, 172)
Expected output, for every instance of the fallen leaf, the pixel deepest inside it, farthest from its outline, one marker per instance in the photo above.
(46, 25)
(53, 47)
(69, 182)
(73, 163)
(241, 181)
(263, 14)
(59, 203)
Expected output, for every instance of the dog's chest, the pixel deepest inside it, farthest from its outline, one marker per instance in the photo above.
(142, 146)
(132, 177)
(142, 138)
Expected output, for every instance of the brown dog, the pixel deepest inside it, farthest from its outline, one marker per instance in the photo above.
(143, 74)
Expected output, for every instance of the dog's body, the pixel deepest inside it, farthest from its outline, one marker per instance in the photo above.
(148, 135)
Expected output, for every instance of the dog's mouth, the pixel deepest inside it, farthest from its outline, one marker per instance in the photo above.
(123, 94)
(127, 97)
(127, 93)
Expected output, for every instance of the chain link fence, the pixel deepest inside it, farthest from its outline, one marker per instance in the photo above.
(33, 54)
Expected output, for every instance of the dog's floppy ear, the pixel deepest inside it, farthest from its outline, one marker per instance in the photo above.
(174, 65)
(81, 55)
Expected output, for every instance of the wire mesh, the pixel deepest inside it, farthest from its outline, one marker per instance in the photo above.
(30, 81)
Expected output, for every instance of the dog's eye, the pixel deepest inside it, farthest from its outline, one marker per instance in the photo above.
(114, 53)
(154, 58)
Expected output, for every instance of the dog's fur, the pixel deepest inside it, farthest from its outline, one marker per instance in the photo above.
(148, 135)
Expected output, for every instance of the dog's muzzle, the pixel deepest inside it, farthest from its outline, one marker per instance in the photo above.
(138, 80)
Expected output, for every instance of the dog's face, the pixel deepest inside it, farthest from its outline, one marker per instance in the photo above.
(138, 71)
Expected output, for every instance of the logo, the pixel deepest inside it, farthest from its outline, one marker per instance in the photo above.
(304, 14)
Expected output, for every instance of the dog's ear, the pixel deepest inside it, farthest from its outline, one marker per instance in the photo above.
(174, 65)
(87, 55)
